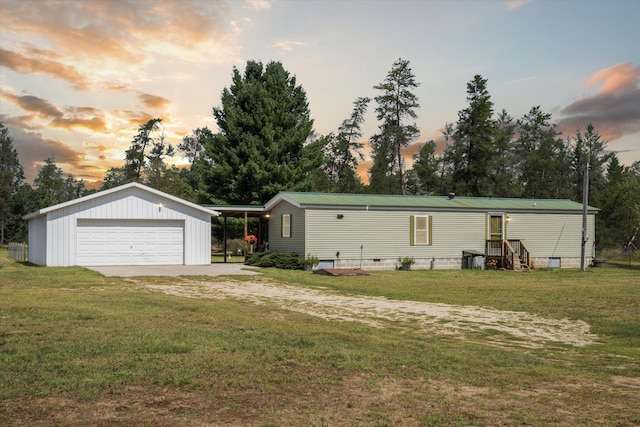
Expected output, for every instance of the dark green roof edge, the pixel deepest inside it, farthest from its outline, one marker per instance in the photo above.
(436, 202)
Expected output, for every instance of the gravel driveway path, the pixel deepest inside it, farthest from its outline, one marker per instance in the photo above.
(514, 328)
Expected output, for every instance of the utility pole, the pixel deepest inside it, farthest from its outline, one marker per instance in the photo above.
(585, 203)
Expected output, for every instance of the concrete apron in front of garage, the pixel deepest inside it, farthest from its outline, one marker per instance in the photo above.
(220, 269)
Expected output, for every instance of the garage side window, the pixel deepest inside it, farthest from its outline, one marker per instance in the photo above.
(420, 227)
(286, 225)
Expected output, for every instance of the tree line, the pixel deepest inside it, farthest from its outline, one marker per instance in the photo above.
(265, 143)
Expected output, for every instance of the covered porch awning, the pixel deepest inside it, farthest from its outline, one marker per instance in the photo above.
(239, 211)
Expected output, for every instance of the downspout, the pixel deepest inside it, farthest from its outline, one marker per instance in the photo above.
(585, 202)
(246, 230)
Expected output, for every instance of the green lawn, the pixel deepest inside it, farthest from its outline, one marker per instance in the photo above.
(219, 258)
(77, 348)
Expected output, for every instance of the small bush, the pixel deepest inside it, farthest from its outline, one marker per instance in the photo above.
(282, 260)
(406, 262)
(255, 258)
(311, 260)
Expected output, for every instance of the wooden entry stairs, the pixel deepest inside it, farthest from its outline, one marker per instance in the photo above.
(509, 254)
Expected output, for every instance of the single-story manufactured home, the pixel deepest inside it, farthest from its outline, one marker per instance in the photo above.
(448, 232)
(137, 225)
(127, 225)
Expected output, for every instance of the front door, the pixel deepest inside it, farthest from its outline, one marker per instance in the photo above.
(496, 226)
(495, 234)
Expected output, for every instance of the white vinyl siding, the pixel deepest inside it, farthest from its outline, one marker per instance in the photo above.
(38, 241)
(60, 232)
(337, 232)
(385, 234)
(552, 235)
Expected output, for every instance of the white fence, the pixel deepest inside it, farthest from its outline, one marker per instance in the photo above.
(19, 251)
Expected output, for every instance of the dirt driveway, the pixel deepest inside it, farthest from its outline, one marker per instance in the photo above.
(504, 328)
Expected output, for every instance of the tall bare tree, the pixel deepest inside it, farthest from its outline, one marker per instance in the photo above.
(396, 111)
(343, 152)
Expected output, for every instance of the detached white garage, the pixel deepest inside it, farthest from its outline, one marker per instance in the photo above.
(127, 225)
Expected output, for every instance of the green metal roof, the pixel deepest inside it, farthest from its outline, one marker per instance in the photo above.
(429, 202)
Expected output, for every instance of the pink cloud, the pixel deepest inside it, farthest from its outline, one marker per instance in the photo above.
(153, 101)
(33, 148)
(614, 110)
(38, 65)
(86, 117)
(616, 78)
(120, 30)
(288, 45)
(516, 4)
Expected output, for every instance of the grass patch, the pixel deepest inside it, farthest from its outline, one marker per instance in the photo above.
(77, 348)
(219, 258)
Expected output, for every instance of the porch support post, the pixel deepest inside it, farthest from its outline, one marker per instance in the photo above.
(224, 237)
(245, 232)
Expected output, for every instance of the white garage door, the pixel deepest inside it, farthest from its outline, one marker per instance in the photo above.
(130, 242)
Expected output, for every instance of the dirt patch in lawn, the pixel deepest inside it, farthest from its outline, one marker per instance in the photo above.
(501, 327)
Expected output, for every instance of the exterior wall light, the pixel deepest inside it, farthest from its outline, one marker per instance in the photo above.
(340, 216)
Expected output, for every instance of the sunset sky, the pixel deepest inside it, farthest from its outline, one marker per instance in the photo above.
(77, 78)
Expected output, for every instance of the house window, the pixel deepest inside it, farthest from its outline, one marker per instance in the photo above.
(420, 227)
(286, 225)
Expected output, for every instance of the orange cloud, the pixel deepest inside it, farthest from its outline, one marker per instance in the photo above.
(153, 101)
(441, 144)
(140, 119)
(516, 4)
(33, 104)
(119, 30)
(72, 30)
(108, 41)
(33, 148)
(363, 170)
(616, 78)
(83, 110)
(117, 86)
(258, 4)
(614, 110)
(135, 118)
(412, 149)
(41, 108)
(30, 65)
(288, 45)
(95, 124)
